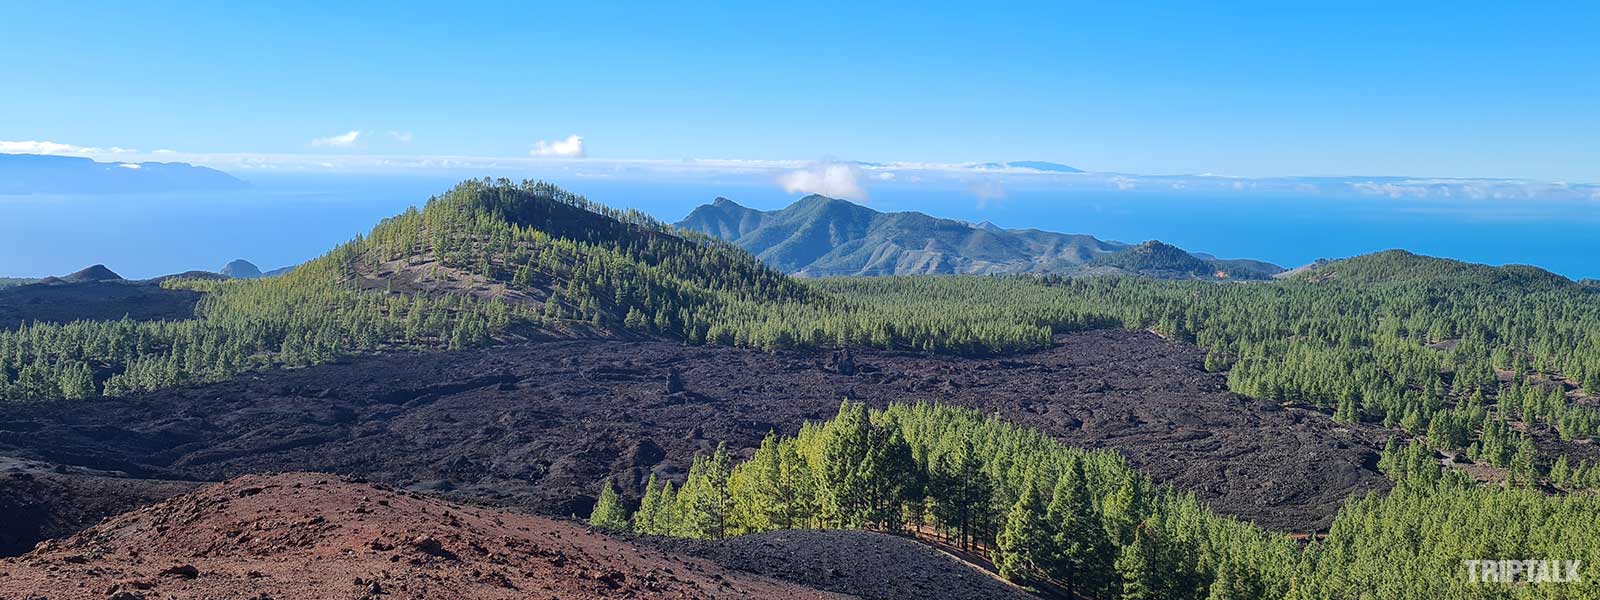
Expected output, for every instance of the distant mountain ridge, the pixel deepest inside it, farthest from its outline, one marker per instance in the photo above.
(819, 236)
(243, 269)
(240, 269)
(41, 174)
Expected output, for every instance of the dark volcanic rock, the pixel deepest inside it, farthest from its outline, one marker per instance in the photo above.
(674, 381)
(93, 273)
(41, 501)
(842, 362)
(541, 424)
(93, 294)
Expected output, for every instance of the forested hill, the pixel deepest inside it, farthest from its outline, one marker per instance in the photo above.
(1165, 261)
(1402, 267)
(486, 261)
(537, 235)
(819, 237)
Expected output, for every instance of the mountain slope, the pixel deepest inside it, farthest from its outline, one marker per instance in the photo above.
(822, 237)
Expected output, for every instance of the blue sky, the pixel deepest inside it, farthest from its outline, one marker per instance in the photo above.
(1249, 89)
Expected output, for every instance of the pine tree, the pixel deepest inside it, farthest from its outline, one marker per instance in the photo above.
(1524, 464)
(1083, 554)
(798, 480)
(759, 498)
(705, 509)
(1139, 566)
(888, 476)
(634, 321)
(1124, 510)
(1346, 413)
(1024, 543)
(1234, 583)
(667, 517)
(77, 382)
(1560, 471)
(847, 440)
(1217, 360)
(644, 520)
(608, 510)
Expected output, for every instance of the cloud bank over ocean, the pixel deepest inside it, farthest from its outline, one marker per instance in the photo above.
(854, 180)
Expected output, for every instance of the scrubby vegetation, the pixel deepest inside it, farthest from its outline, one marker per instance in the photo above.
(1055, 516)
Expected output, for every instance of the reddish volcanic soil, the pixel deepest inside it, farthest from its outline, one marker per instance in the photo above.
(308, 535)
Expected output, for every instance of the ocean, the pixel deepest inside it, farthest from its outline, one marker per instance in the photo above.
(287, 219)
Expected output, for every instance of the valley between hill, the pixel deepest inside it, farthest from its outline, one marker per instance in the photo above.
(536, 425)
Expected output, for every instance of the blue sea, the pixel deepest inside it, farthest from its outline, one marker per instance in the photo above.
(284, 220)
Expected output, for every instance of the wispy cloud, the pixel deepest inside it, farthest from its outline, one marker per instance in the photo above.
(343, 140)
(403, 137)
(988, 191)
(829, 178)
(57, 148)
(572, 147)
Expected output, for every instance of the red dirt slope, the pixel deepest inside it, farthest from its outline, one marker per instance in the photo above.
(308, 535)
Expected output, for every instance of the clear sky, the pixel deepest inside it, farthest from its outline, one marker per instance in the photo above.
(1253, 89)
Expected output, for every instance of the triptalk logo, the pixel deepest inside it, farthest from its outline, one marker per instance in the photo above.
(1524, 571)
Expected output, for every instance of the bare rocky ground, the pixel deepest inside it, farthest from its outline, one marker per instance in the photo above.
(869, 565)
(309, 535)
(95, 301)
(41, 501)
(539, 425)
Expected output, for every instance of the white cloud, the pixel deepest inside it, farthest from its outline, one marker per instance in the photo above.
(572, 147)
(885, 176)
(831, 179)
(56, 148)
(343, 140)
(130, 166)
(988, 191)
(403, 137)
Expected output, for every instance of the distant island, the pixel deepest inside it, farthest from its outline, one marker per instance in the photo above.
(819, 236)
(40, 174)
